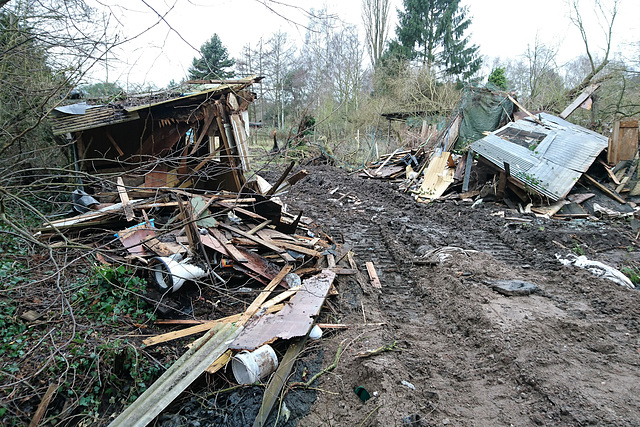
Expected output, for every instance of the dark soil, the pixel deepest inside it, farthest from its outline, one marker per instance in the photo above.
(567, 354)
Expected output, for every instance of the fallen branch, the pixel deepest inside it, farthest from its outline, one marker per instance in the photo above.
(388, 347)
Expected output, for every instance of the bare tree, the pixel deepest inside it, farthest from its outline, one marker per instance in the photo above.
(606, 17)
(375, 16)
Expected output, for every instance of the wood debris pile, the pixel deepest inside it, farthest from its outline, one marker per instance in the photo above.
(540, 164)
(222, 240)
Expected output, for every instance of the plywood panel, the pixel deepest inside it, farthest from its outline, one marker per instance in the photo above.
(294, 320)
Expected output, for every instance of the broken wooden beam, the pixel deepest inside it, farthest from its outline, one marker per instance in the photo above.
(124, 198)
(604, 189)
(280, 180)
(373, 275)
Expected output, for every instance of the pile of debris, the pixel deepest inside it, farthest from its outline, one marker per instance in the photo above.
(532, 164)
(169, 196)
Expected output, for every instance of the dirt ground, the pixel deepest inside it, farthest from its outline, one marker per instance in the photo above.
(568, 354)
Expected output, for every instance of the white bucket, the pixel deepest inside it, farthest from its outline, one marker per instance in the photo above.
(250, 367)
(171, 273)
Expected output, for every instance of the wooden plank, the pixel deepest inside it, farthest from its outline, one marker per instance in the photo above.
(502, 184)
(341, 271)
(179, 322)
(204, 131)
(550, 210)
(272, 392)
(235, 253)
(241, 140)
(613, 177)
(580, 197)
(213, 243)
(275, 301)
(331, 261)
(203, 326)
(297, 248)
(220, 362)
(178, 377)
(604, 189)
(281, 179)
(614, 141)
(114, 143)
(377, 171)
(580, 99)
(257, 303)
(207, 159)
(259, 227)
(157, 247)
(294, 320)
(282, 252)
(268, 233)
(334, 325)
(373, 275)
(537, 120)
(256, 264)
(227, 148)
(628, 144)
(124, 198)
(44, 404)
(629, 174)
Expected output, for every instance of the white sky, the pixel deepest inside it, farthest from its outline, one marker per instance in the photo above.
(501, 28)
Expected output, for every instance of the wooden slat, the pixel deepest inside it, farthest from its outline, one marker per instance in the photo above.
(373, 275)
(206, 325)
(280, 180)
(44, 404)
(272, 392)
(178, 377)
(586, 93)
(604, 189)
(235, 253)
(281, 251)
(124, 198)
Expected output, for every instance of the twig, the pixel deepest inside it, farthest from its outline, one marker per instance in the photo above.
(324, 371)
(387, 347)
(370, 413)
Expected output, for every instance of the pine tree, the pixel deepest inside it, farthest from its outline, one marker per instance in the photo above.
(214, 63)
(433, 32)
(498, 78)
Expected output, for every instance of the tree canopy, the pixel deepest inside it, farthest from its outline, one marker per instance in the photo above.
(214, 63)
(433, 32)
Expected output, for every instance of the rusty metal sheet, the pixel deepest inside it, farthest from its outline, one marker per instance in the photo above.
(294, 320)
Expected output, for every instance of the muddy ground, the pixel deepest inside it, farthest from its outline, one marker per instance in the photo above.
(462, 354)
(568, 354)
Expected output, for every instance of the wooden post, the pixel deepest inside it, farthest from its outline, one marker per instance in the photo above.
(467, 171)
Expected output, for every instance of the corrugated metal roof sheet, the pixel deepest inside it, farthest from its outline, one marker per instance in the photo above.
(73, 119)
(553, 166)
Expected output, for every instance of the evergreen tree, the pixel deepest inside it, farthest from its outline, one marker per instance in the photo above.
(498, 78)
(433, 32)
(214, 63)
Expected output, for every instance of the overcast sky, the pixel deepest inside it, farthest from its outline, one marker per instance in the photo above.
(501, 28)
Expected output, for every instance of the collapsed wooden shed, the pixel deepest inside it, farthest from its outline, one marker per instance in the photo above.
(194, 140)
